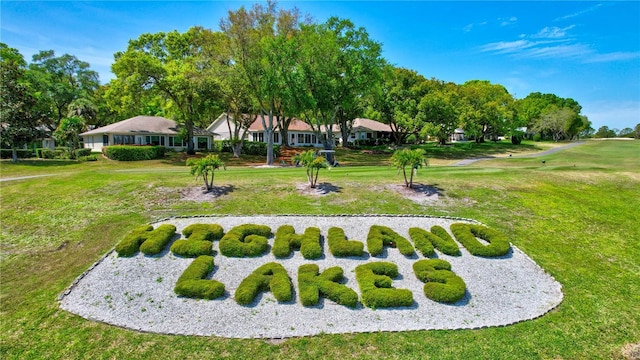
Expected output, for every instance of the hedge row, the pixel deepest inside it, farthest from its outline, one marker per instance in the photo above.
(441, 284)
(379, 236)
(248, 240)
(271, 276)
(312, 285)
(192, 282)
(426, 241)
(21, 153)
(287, 240)
(133, 153)
(466, 234)
(339, 246)
(199, 240)
(374, 280)
(248, 147)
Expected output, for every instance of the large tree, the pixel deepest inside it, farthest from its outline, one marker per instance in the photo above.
(255, 45)
(60, 81)
(18, 126)
(438, 111)
(170, 65)
(485, 109)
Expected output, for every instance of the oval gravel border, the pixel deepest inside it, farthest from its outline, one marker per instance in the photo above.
(146, 307)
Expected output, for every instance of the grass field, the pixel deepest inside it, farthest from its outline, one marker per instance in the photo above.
(576, 215)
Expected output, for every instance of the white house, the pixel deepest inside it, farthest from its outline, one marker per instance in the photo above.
(299, 132)
(145, 130)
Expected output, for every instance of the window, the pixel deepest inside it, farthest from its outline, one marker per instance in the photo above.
(105, 140)
(276, 137)
(203, 143)
(123, 139)
(300, 138)
(154, 140)
(258, 137)
(175, 141)
(369, 135)
(314, 139)
(307, 138)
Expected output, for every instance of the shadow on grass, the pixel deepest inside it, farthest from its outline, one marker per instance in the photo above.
(40, 162)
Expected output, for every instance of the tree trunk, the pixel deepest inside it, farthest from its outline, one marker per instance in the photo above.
(190, 147)
(237, 149)
(14, 154)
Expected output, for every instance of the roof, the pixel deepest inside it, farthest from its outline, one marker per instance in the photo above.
(371, 125)
(144, 125)
(294, 125)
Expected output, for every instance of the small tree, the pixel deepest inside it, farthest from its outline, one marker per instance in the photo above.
(205, 167)
(404, 158)
(312, 163)
(68, 132)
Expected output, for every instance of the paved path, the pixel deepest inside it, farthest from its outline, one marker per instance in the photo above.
(466, 162)
(25, 177)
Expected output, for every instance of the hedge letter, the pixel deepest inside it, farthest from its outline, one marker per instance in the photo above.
(375, 281)
(379, 236)
(441, 284)
(271, 276)
(312, 285)
(247, 240)
(192, 282)
(287, 240)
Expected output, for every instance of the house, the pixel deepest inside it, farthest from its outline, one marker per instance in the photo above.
(458, 135)
(300, 133)
(145, 130)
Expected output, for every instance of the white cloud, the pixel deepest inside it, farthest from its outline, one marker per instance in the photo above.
(614, 56)
(507, 21)
(581, 12)
(553, 32)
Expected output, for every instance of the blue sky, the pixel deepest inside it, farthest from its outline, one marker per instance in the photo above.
(588, 51)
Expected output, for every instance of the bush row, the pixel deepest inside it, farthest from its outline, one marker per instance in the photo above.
(466, 234)
(441, 284)
(374, 280)
(379, 236)
(133, 153)
(192, 282)
(146, 239)
(339, 246)
(287, 240)
(312, 285)
(248, 147)
(21, 153)
(248, 240)
(438, 238)
(271, 276)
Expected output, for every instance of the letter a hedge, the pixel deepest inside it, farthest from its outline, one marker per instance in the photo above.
(271, 276)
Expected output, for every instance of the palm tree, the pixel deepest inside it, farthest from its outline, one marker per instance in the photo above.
(205, 167)
(312, 163)
(404, 158)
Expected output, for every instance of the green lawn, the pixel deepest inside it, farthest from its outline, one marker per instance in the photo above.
(576, 215)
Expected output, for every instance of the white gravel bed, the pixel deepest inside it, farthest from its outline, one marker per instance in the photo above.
(137, 292)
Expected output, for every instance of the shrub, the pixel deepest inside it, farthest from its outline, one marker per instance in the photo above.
(271, 276)
(199, 241)
(158, 239)
(374, 280)
(57, 153)
(246, 240)
(248, 147)
(209, 232)
(287, 240)
(93, 157)
(312, 285)
(382, 235)
(426, 241)
(192, 283)
(133, 153)
(22, 153)
(130, 244)
(339, 246)
(78, 153)
(441, 284)
(466, 234)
